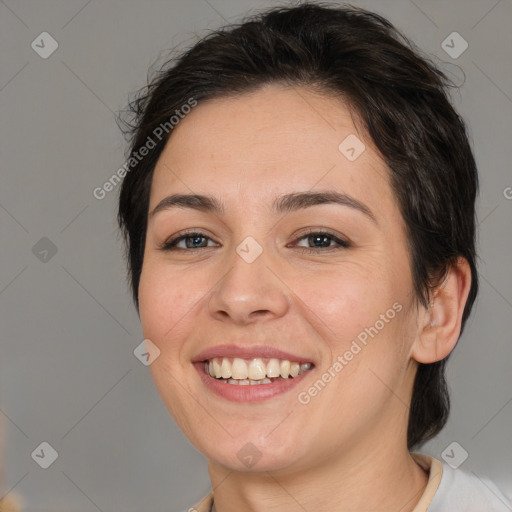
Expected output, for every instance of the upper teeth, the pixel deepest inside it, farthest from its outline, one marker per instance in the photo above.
(253, 369)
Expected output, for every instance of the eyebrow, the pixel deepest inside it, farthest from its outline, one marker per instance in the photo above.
(282, 204)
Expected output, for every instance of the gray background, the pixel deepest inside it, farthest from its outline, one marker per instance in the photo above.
(68, 373)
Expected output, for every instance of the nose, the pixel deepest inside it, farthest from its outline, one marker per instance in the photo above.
(249, 292)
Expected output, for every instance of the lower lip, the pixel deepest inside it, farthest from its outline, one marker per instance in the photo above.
(247, 393)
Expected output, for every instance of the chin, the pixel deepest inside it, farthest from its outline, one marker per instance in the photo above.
(247, 455)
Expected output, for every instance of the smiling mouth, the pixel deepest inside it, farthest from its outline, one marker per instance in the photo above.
(254, 371)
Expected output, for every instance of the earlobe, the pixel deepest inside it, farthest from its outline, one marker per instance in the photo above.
(440, 324)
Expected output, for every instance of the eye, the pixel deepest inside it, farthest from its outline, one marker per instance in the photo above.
(319, 240)
(192, 241)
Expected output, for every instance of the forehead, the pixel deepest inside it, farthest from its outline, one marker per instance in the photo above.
(269, 142)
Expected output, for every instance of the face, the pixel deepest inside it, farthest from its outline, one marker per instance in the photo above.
(296, 290)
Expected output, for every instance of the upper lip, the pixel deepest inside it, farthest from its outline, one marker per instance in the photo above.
(248, 352)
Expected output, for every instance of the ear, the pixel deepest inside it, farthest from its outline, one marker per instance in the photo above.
(440, 324)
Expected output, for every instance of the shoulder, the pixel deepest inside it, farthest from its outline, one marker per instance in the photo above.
(204, 505)
(466, 492)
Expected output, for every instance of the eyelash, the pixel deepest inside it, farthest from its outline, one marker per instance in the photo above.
(170, 245)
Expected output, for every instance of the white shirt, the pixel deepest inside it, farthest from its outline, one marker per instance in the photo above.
(454, 490)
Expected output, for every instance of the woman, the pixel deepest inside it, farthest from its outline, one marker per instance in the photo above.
(299, 212)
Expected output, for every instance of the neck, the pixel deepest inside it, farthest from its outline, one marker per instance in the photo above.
(380, 480)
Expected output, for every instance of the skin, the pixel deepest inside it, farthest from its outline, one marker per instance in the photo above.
(346, 449)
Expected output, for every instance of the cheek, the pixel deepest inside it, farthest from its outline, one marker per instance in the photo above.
(347, 299)
(166, 303)
(166, 298)
(362, 317)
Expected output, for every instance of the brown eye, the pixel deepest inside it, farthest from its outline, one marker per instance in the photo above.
(322, 240)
